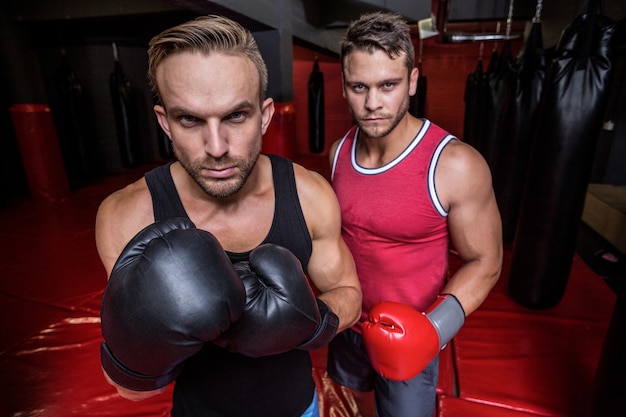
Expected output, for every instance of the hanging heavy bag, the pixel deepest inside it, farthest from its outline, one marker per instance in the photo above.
(473, 104)
(518, 125)
(316, 109)
(75, 137)
(495, 95)
(568, 125)
(125, 112)
(609, 389)
(417, 103)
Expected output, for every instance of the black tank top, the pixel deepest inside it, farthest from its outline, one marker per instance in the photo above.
(216, 382)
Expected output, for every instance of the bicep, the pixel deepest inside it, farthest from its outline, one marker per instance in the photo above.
(473, 215)
(475, 227)
(331, 264)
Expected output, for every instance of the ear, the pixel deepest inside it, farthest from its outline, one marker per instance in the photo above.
(161, 116)
(413, 81)
(267, 112)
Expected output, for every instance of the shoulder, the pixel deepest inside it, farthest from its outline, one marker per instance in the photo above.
(348, 137)
(317, 198)
(310, 182)
(458, 154)
(120, 216)
(461, 172)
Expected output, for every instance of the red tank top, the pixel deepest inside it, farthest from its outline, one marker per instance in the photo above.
(393, 222)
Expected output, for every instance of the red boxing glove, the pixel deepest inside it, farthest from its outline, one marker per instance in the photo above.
(402, 341)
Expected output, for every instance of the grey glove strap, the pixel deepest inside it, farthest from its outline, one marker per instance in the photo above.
(448, 318)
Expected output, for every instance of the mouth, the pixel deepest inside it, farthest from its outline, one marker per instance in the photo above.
(373, 119)
(219, 173)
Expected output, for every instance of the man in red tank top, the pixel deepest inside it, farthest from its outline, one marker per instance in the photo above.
(407, 189)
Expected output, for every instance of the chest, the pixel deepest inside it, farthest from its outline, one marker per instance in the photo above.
(239, 229)
(392, 206)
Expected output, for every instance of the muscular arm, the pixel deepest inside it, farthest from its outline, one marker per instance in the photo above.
(331, 267)
(120, 217)
(463, 181)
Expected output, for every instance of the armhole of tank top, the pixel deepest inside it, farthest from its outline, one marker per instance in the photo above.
(283, 172)
(160, 181)
(432, 189)
(336, 156)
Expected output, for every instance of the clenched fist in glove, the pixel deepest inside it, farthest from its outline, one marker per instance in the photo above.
(401, 341)
(172, 289)
(281, 313)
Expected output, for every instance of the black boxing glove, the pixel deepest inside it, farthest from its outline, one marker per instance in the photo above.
(281, 313)
(172, 289)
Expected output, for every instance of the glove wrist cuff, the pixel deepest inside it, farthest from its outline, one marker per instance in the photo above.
(447, 316)
(326, 330)
(130, 379)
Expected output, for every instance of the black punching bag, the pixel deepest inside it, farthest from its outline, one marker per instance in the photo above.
(417, 103)
(125, 112)
(569, 122)
(609, 392)
(316, 109)
(495, 95)
(75, 137)
(518, 125)
(473, 104)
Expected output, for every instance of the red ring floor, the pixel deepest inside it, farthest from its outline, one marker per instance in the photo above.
(507, 361)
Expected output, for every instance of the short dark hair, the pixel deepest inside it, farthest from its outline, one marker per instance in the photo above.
(383, 31)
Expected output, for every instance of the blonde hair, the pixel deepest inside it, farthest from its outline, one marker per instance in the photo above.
(206, 34)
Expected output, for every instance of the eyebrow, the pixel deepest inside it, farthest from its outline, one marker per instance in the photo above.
(388, 80)
(243, 105)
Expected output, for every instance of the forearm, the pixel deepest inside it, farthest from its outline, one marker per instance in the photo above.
(472, 283)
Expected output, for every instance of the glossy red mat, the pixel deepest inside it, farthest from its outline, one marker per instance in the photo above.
(507, 361)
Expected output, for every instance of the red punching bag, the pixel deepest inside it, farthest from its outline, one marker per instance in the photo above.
(39, 147)
(280, 137)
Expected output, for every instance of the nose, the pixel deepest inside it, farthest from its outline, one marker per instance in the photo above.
(372, 100)
(215, 141)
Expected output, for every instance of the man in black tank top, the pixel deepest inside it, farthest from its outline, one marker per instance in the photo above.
(211, 83)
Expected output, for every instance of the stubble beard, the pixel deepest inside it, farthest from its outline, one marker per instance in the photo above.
(378, 133)
(220, 188)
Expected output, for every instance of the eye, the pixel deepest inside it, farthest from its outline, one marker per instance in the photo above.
(389, 85)
(187, 120)
(358, 88)
(237, 117)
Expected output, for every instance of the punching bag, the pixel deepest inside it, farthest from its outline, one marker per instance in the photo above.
(474, 104)
(125, 112)
(494, 99)
(569, 122)
(75, 136)
(41, 155)
(279, 138)
(518, 125)
(609, 392)
(417, 103)
(316, 109)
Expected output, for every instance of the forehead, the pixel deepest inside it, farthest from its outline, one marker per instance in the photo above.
(194, 79)
(362, 65)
